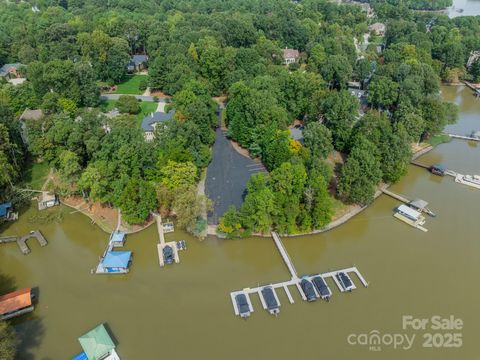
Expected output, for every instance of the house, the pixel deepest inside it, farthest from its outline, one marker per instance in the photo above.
(290, 56)
(16, 303)
(296, 133)
(16, 81)
(474, 56)
(10, 71)
(151, 121)
(97, 344)
(378, 29)
(137, 63)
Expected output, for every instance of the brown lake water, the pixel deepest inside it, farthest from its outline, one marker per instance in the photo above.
(184, 311)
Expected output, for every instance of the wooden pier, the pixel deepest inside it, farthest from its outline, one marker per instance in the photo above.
(162, 244)
(285, 256)
(428, 167)
(476, 91)
(468, 138)
(22, 241)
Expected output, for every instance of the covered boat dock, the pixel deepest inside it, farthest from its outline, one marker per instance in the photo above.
(97, 344)
(115, 262)
(16, 303)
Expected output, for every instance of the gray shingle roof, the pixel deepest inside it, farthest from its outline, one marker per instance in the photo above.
(6, 68)
(153, 118)
(138, 59)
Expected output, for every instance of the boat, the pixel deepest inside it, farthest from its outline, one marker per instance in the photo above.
(438, 169)
(345, 281)
(470, 180)
(168, 255)
(322, 287)
(243, 306)
(271, 301)
(410, 216)
(308, 289)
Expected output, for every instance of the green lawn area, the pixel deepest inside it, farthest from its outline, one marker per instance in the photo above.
(439, 139)
(35, 175)
(147, 107)
(130, 85)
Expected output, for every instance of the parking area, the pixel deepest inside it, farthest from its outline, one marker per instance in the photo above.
(227, 176)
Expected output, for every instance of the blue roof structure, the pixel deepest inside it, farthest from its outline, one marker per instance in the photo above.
(4, 209)
(81, 356)
(118, 237)
(156, 117)
(117, 259)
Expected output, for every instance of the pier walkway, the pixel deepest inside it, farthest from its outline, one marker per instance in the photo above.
(22, 241)
(294, 281)
(419, 204)
(285, 256)
(468, 138)
(162, 244)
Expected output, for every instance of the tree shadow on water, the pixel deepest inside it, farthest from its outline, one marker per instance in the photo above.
(30, 330)
(7, 284)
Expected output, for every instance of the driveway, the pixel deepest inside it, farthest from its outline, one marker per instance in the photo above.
(227, 176)
(140, 97)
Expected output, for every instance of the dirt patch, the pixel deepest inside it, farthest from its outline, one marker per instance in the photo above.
(159, 94)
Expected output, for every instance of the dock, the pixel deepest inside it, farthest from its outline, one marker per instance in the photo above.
(22, 241)
(419, 204)
(162, 243)
(476, 91)
(294, 281)
(429, 167)
(461, 137)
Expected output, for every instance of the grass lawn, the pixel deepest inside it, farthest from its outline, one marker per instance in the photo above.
(130, 85)
(146, 107)
(439, 139)
(35, 175)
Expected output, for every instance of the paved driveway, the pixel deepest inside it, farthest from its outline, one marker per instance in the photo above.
(140, 97)
(227, 176)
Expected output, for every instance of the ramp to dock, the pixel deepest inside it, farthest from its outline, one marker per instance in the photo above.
(285, 256)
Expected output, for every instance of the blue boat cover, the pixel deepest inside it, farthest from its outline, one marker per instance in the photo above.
(116, 259)
(4, 208)
(81, 356)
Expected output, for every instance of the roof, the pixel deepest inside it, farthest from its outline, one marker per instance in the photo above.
(16, 300)
(439, 167)
(419, 203)
(118, 236)
(156, 117)
(5, 69)
(96, 343)
(377, 27)
(138, 59)
(31, 114)
(81, 356)
(290, 53)
(4, 208)
(116, 259)
(408, 211)
(296, 133)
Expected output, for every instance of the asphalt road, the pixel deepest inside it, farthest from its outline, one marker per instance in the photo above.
(140, 97)
(227, 176)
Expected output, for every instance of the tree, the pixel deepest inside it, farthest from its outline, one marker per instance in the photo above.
(177, 176)
(361, 173)
(68, 165)
(382, 92)
(231, 223)
(475, 70)
(318, 139)
(317, 199)
(128, 104)
(189, 206)
(8, 342)
(287, 183)
(337, 71)
(258, 206)
(340, 110)
(137, 200)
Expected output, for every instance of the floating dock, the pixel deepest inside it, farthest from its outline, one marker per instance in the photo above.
(469, 180)
(294, 281)
(468, 138)
(162, 244)
(410, 217)
(418, 204)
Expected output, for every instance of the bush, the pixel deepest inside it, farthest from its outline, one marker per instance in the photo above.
(143, 84)
(127, 104)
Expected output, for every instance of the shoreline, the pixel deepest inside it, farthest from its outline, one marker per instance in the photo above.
(344, 218)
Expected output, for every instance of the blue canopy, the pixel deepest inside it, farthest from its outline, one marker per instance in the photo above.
(118, 237)
(4, 209)
(81, 356)
(117, 259)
